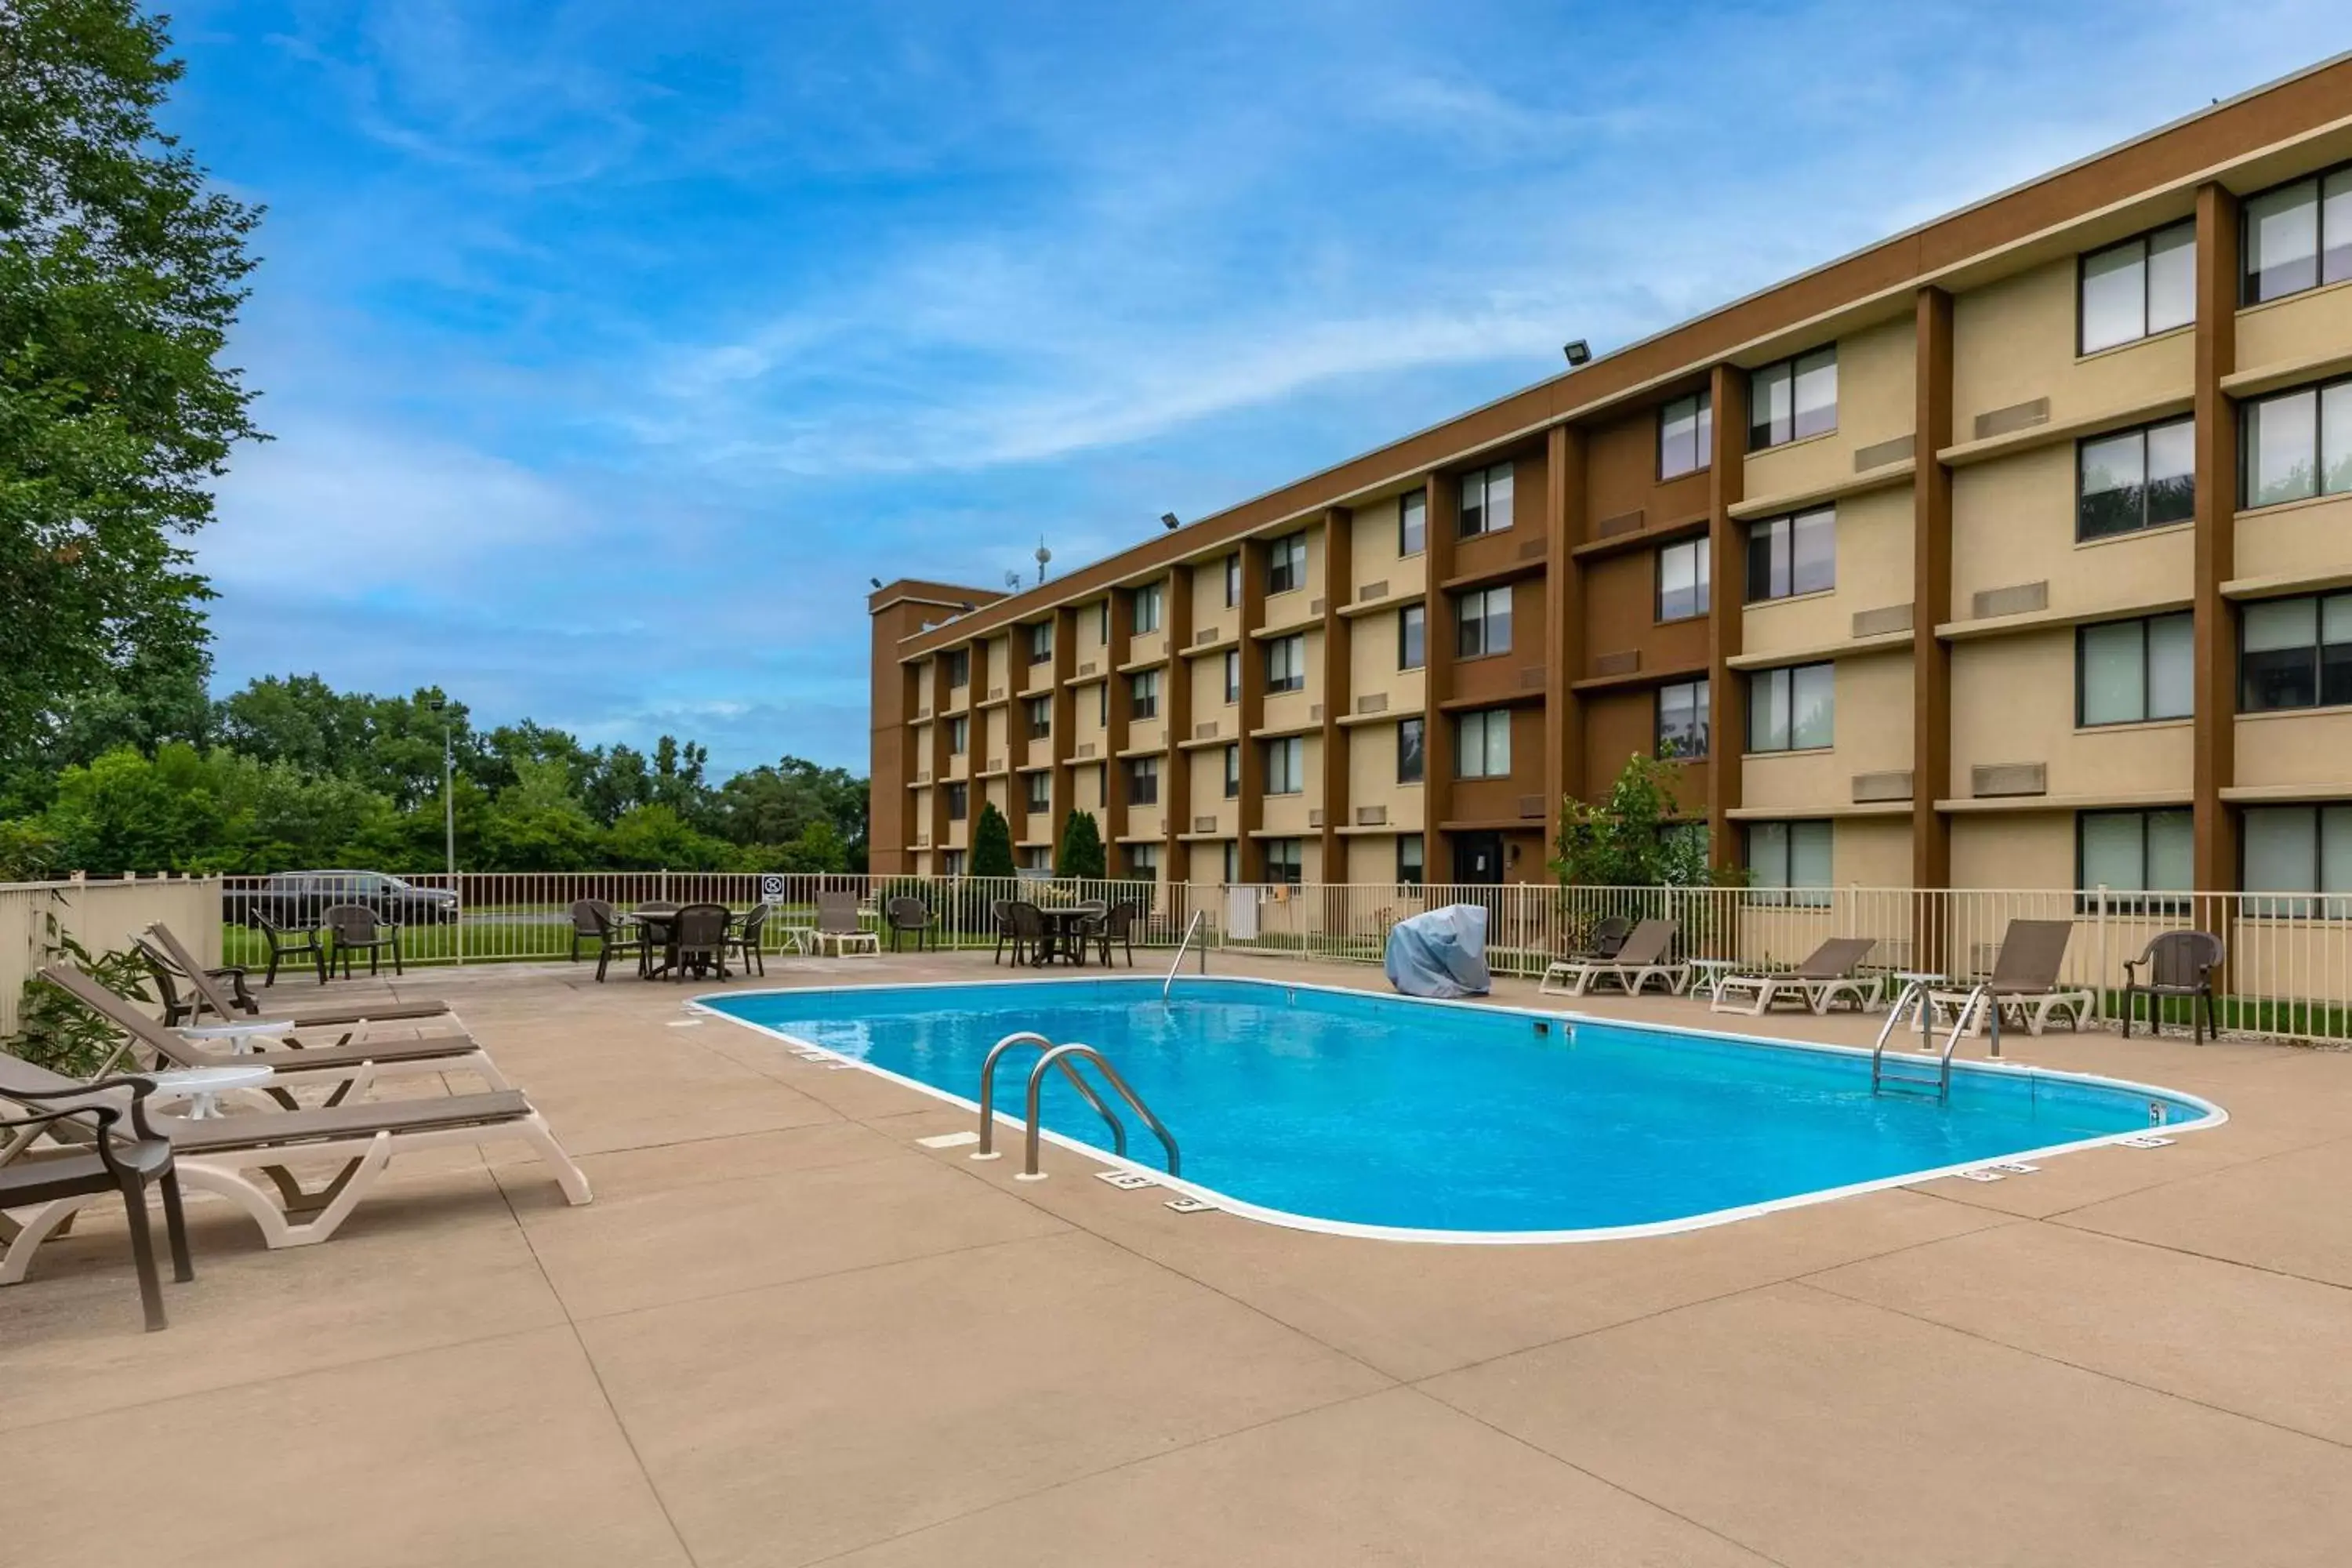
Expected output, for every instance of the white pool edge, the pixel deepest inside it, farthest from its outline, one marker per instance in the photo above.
(2214, 1115)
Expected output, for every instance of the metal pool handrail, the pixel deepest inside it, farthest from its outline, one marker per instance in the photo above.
(1054, 1057)
(1190, 927)
(987, 1150)
(1942, 1082)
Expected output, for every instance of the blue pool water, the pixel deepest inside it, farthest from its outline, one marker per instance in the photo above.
(1379, 1112)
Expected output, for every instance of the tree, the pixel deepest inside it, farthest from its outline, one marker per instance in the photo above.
(1081, 850)
(1631, 839)
(991, 843)
(120, 275)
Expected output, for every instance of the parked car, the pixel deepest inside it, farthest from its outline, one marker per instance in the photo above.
(298, 898)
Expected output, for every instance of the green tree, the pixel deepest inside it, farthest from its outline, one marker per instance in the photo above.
(655, 839)
(536, 823)
(818, 848)
(1081, 850)
(991, 843)
(120, 275)
(128, 813)
(1632, 837)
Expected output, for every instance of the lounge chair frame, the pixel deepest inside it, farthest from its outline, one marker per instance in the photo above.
(1642, 957)
(1825, 975)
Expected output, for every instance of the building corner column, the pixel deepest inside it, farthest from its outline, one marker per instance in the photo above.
(1564, 505)
(1339, 681)
(2214, 638)
(1931, 589)
(1727, 704)
(1176, 710)
(1441, 517)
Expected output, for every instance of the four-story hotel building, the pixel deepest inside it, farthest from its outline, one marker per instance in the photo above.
(2014, 551)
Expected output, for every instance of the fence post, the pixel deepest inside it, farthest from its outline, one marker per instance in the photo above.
(458, 922)
(2101, 906)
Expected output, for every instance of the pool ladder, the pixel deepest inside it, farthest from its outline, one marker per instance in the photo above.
(1897, 1074)
(1065, 1057)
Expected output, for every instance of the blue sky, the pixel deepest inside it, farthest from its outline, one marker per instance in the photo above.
(610, 348)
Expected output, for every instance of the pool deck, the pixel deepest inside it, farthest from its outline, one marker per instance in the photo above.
(786, 1333)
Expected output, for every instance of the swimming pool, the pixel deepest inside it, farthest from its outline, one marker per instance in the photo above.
(1378, 1115)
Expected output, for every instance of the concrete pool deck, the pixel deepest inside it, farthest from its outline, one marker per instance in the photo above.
(786, 1333)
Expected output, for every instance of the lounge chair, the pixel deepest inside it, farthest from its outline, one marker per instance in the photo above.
(119, 1152)
(837, 926)
(2178, 963)
(295, 1015)
(1642, 958)
(1818, 982)
(183, 1000)
(214, 1155)
(349, 1069)
(2024, 984)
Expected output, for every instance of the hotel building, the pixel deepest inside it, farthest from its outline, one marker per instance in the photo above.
(2011, 552)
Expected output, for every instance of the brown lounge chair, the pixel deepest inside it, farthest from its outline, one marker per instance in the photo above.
(350, 1070)
(1818, 982)
(2024, 984)
(214, 1154)
(109, 1158)
(838, 928)
(297, 1016)
(1642, 958)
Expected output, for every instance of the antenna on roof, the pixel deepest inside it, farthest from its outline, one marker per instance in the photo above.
(1044, 555)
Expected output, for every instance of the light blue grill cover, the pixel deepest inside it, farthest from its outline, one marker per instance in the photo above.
(1441, 954)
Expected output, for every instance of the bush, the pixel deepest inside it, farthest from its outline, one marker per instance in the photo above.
(1081, 851)
(991, 843)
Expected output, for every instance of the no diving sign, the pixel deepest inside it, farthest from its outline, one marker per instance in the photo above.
(772, 888)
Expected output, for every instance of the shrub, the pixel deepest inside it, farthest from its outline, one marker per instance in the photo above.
(1081, 851)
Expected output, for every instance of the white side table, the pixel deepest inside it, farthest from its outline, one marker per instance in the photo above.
(1708, 974)
(203, 1087)
(1927, 979)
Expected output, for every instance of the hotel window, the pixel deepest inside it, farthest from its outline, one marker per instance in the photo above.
(2295, 653)
(1682, 719)
(1102, 703)
(1481, 622)
(1233, 772)
(1232, 858)
(1143, 694)
(1038, 858)
(2135, 479)
(1039, 712)
(2143, 286)
(1041, 642)
(958, 668)
(1102, 623)
(1143, 862)
(958, 736)
(1791, 709)
(2128, 672)
(1789, 863)
(1409, 866)
(1685, 435)
(1041, 791)
(1412, 522)
(2298, 849)
(1793, 399)
(1286, 765)
(2297, 237)
(1143, 781)
(1482, 744)
(2297, 445)
(952, 862)
(1791, 555)
(1411, 749)
(1285, 664)
(1285, 861)
(1233, 675)
(1487, 500)
(1683, 587)
(2133, 851)
(1233, 579)
(1412, 630)
(959, 801)
(1285, 563)
(1146, 603)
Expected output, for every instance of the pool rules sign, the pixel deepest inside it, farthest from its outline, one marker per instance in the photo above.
(772, 888)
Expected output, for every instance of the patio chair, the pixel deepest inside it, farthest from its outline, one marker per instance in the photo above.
(2178, 963)
(358, 929)
(118, 1152)
(699, 940)
(616, 939)
(1643, 956)
(286, 941)
(1031, 943)
(906, 913)
(746, 936)
(2024, 982)
(1818, 982)
(189, 1004)
(345, 1016)
(215, 1155)
(1117, 925)
(1000, 914)
(837, 925)
(350, 1070)
(585, 925)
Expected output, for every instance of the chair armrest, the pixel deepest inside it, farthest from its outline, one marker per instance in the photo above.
(139, 1089)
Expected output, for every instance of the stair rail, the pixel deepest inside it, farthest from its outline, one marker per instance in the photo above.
(987, 1150)
(1058, 1057)
(1189, 928)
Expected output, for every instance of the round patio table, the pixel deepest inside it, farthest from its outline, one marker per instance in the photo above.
(1064, 935)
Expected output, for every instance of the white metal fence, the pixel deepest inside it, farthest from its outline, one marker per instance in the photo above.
(2289, 968)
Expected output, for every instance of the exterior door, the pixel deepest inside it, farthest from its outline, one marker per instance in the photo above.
(1478, 857)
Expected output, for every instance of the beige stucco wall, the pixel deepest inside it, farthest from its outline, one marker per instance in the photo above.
(1210, 611)
(1373, 555)
(2300, 749)
(1090, 648)
(1086, 787)
(2301, 538)
(1876, 399)
(2298, 327)
(1372, 777)
(2014, 523)
(2013, 701)
(1207, 675)
(1873, 572)
(1085, 723)
(1208, 765)
(2014, 849)
(1870, 731)
(1372, 665)
(2013, 341)
(1871, 852)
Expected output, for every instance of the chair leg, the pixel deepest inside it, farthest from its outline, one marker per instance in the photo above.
(142, 1252)
(176, 1228)
(270, 979)
(395, 957)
